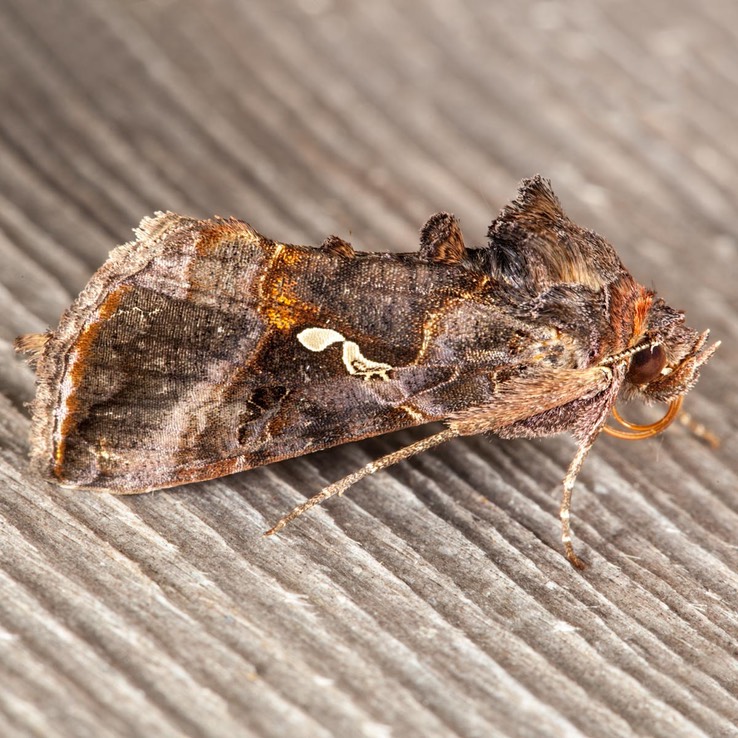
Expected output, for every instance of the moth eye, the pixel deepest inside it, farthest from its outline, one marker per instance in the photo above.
(646, 365)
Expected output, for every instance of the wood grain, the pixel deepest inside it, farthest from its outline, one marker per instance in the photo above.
(433, 600)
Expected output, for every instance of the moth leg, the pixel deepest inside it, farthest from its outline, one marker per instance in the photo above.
(564, 511)
(339, 487)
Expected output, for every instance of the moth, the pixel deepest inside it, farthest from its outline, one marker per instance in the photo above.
(203, 348)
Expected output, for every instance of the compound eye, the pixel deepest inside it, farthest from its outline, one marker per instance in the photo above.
(646, 365)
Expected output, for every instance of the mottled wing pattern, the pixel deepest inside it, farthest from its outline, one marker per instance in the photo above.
(203, 349)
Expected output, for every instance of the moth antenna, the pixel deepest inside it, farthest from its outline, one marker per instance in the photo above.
(565, 510)
(339, 487)
(699, 430)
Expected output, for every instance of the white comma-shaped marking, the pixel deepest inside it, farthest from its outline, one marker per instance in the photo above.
(319, 339)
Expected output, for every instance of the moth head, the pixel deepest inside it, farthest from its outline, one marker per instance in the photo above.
(664, 363)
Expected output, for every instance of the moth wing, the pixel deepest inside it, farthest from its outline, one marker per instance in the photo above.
(201, 349)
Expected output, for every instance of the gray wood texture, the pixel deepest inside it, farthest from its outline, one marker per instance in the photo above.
(433, 599)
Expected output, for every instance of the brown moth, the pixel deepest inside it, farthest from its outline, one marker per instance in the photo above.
(203, 348)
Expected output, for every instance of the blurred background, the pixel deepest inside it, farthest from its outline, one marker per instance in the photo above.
(312, 117)
(322, 116)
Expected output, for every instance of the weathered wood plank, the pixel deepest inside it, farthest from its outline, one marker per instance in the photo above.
(433, 599)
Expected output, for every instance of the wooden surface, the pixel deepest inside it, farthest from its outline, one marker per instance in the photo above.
(433, 600)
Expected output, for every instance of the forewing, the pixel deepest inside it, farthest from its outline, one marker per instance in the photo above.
(202, 349)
